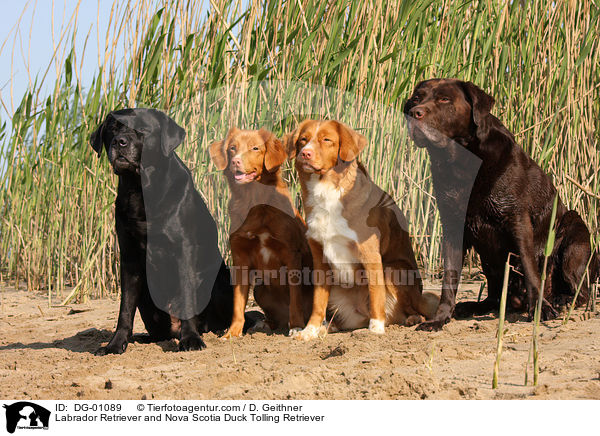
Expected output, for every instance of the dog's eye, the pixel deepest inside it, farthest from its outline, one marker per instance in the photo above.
(255, 148)
(444, 100)
(327, 140)
(303, 139)
(232, 149)
(416, 98)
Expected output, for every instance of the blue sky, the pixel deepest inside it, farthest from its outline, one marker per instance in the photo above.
(34, 48)
(26, 28)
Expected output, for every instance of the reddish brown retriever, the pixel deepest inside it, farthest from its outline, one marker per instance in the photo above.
(507, 210)
(355, 230)
(266, 230)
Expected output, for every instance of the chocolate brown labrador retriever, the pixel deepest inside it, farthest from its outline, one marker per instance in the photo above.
(493, 197)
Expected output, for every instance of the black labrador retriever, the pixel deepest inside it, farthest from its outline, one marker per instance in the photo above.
(171, 267)
(493, 197)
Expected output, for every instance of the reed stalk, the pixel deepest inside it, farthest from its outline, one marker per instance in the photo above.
(538, 308)
(539, 60)
(501, 313)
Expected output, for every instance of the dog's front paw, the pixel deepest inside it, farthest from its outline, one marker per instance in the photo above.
(112, 348)
(414, 320)
(466, 309)
(548, 312)
(377, 326)
(294, 332)
(232, 332)
(191, 343)
(260, 327)
(433, 325)
(309, 332)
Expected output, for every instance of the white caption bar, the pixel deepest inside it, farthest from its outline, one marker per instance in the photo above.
(22, 417)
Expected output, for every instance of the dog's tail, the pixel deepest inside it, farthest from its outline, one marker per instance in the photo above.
(428, 304)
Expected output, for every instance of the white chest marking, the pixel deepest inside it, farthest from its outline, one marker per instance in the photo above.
(264, 251)
(327, 225)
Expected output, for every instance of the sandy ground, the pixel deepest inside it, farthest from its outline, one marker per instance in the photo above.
(46, 353)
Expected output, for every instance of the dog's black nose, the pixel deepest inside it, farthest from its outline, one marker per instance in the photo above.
(417, 113)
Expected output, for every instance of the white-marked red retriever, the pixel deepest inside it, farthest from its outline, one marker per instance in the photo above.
(365, 272)
(267, 234)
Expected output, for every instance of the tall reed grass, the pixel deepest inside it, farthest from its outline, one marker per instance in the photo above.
(539, 59)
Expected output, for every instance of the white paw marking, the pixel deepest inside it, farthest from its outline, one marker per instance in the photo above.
(309, 332)
(294, 332)
(377, 326)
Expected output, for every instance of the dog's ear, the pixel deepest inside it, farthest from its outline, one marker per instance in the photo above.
(172, 134)
(217, 154)
(217, 150)
(96, 139)
(481, 103)
(290, 139)
(289, 143)
(275, 153)
(351, 142)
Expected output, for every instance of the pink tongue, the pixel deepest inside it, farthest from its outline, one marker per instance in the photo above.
(245, 176)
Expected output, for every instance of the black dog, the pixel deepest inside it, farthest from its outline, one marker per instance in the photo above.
(507, 210)
(171, 267)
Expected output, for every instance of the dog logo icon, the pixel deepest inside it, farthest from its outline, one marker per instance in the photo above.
(26, 415)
